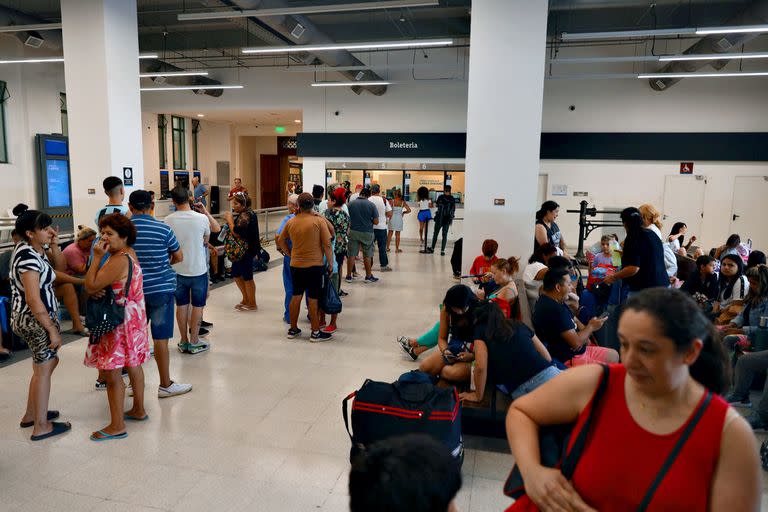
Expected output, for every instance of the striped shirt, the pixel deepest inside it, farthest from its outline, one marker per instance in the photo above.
(155, 241)
(26, 259)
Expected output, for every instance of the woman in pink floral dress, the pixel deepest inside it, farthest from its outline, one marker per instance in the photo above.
(128, 344)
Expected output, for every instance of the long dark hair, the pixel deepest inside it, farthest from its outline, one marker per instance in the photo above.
(727, 283)
(422, 193)
(756, 258)
(31, 220)
(461, 296)
(676, 229)
(733, 241)
(680, 319)
(633, 223)
(759, 293)
(546, 207)
(541, 251)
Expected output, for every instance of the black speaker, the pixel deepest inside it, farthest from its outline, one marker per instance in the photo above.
(214, 197)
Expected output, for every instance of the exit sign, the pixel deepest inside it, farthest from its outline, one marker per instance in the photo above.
(686, 167)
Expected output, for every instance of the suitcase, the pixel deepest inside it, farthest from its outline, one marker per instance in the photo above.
(412, 404)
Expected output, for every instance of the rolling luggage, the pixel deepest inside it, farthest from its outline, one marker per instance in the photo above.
(412, 404)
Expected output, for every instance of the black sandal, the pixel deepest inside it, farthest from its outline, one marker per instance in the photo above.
(58, 428)
(52, 415)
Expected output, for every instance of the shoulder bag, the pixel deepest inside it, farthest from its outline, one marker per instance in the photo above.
(105, 314)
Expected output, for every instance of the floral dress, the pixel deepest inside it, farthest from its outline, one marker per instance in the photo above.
(128, 344)
(340, 221)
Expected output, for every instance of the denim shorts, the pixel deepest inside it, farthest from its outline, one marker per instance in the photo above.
(534, 382)
(160, 314)
(195, 288)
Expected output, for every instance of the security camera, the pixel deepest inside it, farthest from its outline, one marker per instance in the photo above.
(572, 108)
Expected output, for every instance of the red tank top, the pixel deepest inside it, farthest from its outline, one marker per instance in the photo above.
(621, 459)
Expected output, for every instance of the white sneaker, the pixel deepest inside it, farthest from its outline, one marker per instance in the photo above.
(176, 388)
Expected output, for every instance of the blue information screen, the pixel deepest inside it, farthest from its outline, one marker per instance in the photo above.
(55, 147)
(57, 172)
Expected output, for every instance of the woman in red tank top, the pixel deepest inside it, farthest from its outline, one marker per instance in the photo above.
(672, 363)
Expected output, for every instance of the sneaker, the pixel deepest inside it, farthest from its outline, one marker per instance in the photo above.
(203, 332)
(330, 329)
(386, 269)
(292, 333)
(371, 279)
(176, 388)
(738, 401)
(320, 336)
(406, 346)
(100, 386)
(199, 347)
(183, 347)
(430, 250)
(203, 323)
(349, 279)
(757, 423)
(342, 293)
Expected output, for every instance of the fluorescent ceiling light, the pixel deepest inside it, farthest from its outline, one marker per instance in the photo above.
(702, 75)
(173, 73)
(737, 29)
(365, 6)
(200, 115)
(149, 56)
(699, 31)
(35, 27)
(656, 58)
(32, 61)
(350, 84)
(415, 43)
(191, 87)
(297, 121)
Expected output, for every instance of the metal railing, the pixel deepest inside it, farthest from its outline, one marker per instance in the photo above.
(269, 220)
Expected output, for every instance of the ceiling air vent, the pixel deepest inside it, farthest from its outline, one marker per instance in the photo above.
(660, 84)
(159, 80)
(298, 30)
(360, 75)
(724, 44)
(34, 40)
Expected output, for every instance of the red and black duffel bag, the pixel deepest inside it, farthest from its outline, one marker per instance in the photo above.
(411, 405)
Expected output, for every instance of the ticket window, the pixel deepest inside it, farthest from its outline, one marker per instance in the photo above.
(354, 177)
(456, 181)
(388, 181)
(433, 180)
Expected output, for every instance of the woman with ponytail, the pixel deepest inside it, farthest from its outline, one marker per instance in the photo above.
(643, 257)
(547, 231)
(672, 369)
(506, 294)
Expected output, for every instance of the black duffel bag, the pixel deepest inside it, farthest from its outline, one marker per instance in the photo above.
(411, 405)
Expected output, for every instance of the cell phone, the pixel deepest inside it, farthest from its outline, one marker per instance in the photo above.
(604, 316)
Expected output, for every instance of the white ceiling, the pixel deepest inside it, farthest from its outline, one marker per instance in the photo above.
(273, 117)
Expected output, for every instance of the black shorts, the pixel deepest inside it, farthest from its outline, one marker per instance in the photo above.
(307, 279)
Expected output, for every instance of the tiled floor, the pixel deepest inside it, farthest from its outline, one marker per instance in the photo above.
(262, 429)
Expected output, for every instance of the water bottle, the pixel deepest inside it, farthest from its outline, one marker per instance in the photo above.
(761, 336)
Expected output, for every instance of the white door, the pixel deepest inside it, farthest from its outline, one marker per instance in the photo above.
(750, 210)
(542, 192)
(684, 202)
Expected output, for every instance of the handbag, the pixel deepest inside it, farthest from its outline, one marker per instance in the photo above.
(103, 315)
(234, 246)
(329, 299)
(524, 503)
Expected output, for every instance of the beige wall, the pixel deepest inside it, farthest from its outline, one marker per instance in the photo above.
(250, 151)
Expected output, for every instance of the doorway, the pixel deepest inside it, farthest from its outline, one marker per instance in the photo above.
(684, 202)
(750, 209)
(269, 173)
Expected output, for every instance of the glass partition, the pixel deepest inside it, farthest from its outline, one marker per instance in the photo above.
(433, 180)
(354, 177)
(388, 180)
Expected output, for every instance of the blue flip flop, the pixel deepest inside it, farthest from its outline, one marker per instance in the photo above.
(107, 437)
(134, 418)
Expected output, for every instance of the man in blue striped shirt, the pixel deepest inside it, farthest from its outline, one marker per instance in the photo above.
(157, 248)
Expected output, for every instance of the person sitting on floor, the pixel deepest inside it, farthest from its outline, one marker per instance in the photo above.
(734, 286)
(703, 285)
(743, 330)
(566, 338)
(509, 355)
(731, 247)
(458, 318)
(413, 472)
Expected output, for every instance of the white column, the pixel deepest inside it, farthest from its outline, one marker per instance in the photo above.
(313, 173)
(506, 84)
(101, 68)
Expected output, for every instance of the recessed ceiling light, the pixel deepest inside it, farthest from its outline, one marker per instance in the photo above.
(297, 121)
(200, 115)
